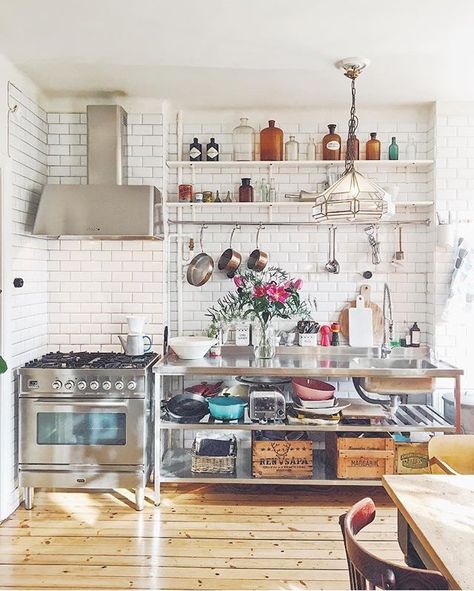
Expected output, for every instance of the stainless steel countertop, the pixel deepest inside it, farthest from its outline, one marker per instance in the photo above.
(312, 362)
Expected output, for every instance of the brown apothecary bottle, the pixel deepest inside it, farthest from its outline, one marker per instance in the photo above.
(271, 142)
(352, 146)
(372, 148)
(245, 191)
(332, 144)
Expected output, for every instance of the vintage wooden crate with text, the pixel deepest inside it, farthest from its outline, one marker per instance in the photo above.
(281, 458)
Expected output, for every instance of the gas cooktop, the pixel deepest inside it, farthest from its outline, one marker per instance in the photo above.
(88, 360)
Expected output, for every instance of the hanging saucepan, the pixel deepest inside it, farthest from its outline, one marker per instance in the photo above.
(258, 259)
(230, 259)
(201, 267)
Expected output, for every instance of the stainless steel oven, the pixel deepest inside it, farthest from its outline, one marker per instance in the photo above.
(90, 425)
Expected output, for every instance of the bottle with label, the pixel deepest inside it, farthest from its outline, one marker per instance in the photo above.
(271, 142)
(292, 149)
(372, 148)
(246, 191)
(415, 336)
(311, 149)
(332, 144)
(212, 151)
(352, 148)
(411, 149)
(195, 150)
(243, 138)
(272, 191)
(393, 150)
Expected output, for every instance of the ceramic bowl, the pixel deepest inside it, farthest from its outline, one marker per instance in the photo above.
(310, 389)
(191, 347)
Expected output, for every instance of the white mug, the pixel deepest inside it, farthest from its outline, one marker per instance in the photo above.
(136, 324)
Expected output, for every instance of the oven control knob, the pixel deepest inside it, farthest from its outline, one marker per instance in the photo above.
(94, 385)
(106, 385)
(81, 385)
(119, 385)
(69, 385)
(57, 385)
(132, 385)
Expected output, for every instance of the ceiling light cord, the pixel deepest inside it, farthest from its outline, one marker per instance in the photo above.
(353, 123)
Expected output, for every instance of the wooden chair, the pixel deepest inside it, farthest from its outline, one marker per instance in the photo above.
(366, 571)
(451, 454)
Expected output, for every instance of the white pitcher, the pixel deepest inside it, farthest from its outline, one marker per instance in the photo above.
(135, 344)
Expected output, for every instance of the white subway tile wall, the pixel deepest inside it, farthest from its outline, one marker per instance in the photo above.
(94, 285)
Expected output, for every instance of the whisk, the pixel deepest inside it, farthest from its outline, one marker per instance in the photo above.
(371, 232)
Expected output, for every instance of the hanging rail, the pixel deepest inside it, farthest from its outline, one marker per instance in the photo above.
(396, 223)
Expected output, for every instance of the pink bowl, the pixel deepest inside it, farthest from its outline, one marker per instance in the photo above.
(309, 389)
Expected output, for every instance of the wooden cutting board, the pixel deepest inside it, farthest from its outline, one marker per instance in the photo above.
(361, 333)
(377, 316)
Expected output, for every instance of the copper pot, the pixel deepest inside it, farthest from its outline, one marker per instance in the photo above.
(258, 259)
(230, 259)
(201, 267)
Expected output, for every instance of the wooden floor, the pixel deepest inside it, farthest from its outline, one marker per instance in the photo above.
(201, 537)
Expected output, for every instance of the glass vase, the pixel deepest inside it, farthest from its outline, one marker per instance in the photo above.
(244, 141)
(264, 341)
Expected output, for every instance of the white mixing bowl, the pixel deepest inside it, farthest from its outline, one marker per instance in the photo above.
(191, 347)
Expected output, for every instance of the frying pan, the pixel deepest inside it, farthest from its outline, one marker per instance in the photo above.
(187, 408)
(201, 267)
(230, 259)
(258, 259)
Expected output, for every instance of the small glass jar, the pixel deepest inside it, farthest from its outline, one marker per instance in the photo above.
(198, 197)
(292, 149)
(207, 197)
(245, 191)
(185, 193)
(243, 138)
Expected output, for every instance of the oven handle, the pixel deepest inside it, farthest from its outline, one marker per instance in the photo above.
(71, 402)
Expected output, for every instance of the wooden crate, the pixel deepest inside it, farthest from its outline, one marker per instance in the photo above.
(411, 458)
(279, 459)
(360, 457)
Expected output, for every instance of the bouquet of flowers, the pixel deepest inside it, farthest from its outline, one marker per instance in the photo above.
(261, 297)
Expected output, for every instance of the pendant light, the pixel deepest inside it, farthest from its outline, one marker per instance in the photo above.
(353, 196)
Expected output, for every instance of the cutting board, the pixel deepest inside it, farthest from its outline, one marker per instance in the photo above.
(361, 333)
(377, 316)
(363, 410)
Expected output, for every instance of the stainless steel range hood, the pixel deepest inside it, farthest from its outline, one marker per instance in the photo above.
(104, 208)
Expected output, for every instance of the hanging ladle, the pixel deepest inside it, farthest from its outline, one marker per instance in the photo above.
(332, 266)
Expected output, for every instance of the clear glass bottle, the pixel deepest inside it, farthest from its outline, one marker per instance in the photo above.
(272, 191)
(311, 149)
(292, 149)
(332, 144)
(411, 149)
(243, 138)
(393, 150)
(271, 142)
(263, 191)
(245, 191)
(372, 148)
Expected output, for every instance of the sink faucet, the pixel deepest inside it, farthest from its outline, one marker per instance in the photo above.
(385, 349)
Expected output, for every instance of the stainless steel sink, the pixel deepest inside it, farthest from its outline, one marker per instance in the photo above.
(377, 363)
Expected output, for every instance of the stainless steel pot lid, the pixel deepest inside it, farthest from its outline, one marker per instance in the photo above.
(262, 380)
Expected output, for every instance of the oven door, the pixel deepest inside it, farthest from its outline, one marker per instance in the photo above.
(88, 432)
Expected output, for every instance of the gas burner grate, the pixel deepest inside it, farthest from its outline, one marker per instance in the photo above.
(90, 360)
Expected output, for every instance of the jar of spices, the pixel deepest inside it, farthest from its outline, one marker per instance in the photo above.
(208, 197)
(185, 193)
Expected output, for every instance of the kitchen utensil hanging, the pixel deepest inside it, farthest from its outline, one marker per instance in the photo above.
(399, 255)
(201, 267)
(332, 266)
(372, 236)
(230, 259)
(258, 259)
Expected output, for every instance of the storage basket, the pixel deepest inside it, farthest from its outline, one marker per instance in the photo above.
(214, 464)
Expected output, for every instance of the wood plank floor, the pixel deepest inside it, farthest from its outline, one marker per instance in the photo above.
(202, 537)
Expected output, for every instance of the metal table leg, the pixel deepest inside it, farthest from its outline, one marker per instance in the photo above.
(457, 403)
(157, 440)
(28, 496)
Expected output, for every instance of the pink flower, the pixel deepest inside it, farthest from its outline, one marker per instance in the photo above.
(297, 284)
(277, 293)
(259, 291)
(238, 281)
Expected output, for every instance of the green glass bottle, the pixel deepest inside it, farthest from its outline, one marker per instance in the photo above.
(393, 150)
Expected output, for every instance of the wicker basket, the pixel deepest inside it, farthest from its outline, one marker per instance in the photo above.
(215, 464)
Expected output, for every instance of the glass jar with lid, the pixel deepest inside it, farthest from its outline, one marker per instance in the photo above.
(243, 138)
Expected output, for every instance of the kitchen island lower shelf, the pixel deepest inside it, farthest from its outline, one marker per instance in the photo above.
(176, 467)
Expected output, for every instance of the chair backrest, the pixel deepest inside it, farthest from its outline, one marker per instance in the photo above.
(457, 451)
(366, 571)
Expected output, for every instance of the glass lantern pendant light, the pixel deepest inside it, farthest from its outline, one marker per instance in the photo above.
(352, 196)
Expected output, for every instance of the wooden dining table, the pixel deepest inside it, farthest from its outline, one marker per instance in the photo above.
(436, 523)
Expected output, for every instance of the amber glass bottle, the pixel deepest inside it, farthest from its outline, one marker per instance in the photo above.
(246, 191)
(352, 146)
(332, 144)
(372, 148)
(271, 142)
